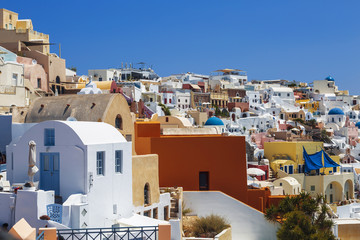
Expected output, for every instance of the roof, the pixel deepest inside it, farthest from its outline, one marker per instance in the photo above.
(336, 111)
(214, 121)
(290, 180)
(227, 70)
(85, 107)
(95, 132)
(281, 89)
(329, 78)
(140, 221)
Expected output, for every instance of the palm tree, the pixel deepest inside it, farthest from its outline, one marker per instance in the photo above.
(301, 217)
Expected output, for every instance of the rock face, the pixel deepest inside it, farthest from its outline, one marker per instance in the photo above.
(249, 152)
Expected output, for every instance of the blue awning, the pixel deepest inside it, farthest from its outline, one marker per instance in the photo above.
(313, 161)
(328, 162)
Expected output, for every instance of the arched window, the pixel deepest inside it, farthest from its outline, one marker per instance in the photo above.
(118, 122)
(147, 194)
(57, 79)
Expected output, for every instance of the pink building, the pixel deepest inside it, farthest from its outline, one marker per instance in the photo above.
(35, 73)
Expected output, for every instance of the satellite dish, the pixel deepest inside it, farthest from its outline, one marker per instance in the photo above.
(71, 119)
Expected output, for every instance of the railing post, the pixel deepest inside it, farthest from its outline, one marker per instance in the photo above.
(142, 232)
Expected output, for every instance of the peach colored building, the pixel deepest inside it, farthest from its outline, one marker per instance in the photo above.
(12, 29)
(34, 72)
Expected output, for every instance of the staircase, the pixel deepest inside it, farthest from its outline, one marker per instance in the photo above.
(148, 112)
(271, 175)
(174, 210)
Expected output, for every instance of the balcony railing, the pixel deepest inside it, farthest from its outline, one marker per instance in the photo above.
(120, 233)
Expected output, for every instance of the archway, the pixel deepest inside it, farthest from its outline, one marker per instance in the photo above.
(349, 189)
(334, 192)
(118, 122)
(147, 194)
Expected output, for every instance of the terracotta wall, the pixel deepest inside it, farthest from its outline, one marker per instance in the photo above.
(181, 158)
(258, 198)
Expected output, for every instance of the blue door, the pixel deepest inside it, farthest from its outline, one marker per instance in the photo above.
(291, 169)
(49, 172)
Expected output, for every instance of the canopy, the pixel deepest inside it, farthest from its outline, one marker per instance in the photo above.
(227, 70)
(255, 172)
(313, 161)
(328, 162)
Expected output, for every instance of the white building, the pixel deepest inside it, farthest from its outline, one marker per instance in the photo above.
(105, 74)
(284, 93)
(324, 86)
(228, 78)
(12, 86)
(86, 165)
(182, 99)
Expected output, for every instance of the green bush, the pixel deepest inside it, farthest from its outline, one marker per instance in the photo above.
(209, 226)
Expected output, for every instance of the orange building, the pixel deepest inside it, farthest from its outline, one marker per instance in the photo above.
(196, 162)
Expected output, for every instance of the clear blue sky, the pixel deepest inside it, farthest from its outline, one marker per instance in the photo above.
(296, 40)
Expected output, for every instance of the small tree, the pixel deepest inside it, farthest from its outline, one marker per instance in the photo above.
(301, 217)
(217, 111)
(73, 69)
(225, 113)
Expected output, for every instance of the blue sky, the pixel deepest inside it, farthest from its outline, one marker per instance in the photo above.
(295, 40)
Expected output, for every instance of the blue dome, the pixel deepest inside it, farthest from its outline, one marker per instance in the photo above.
(357, 125)
(214, 121)
(329, 78)
(336, 111)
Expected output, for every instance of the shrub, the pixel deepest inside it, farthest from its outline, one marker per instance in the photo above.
(209, 226)
(185, 210)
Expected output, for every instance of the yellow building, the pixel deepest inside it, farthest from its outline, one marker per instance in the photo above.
(288, 156)
(14, 30)
(310, 106)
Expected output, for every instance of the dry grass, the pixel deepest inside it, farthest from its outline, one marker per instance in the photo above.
(209, 226)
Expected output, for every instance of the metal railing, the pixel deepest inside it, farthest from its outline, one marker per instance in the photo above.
(120, 233)
(41, 236)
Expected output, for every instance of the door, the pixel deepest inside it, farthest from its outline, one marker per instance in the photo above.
(203, 181)
(291, 169)
(49, 172)
(331, 198)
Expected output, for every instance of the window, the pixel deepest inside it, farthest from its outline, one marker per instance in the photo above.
(330, 185)
(334, 169)
(39, 82)
(312, 188)
(178, 100)
(166, 213)
(165, 100)
(146, 194)
(169, 100)
(147, 213)
(49, 137)
(288, 94)
(166, 119)
(100, 79)
(155, 213)
(14, 79)
(100, 163)
(118, 161)
(118, 122)
(280, 184)
(185, 100)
